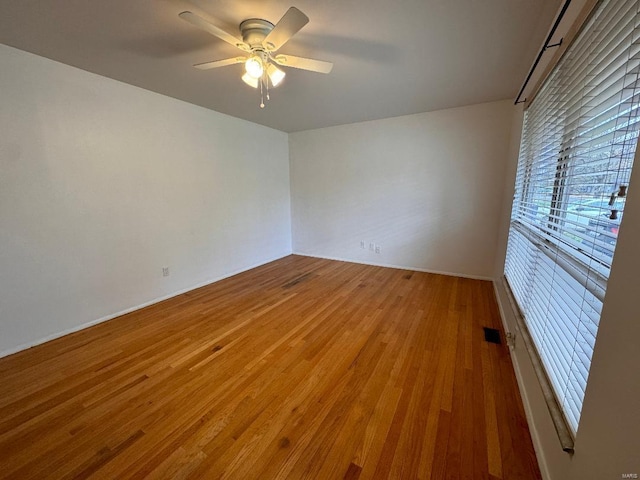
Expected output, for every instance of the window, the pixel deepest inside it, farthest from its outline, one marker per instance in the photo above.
(578, 143)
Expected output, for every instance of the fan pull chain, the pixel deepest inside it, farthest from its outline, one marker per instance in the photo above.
(261, 95)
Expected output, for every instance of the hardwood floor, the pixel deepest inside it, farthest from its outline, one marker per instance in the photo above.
(302, 368)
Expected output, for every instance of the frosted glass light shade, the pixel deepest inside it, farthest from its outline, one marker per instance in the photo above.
(275, 74)
(252, 82)
(254, 67)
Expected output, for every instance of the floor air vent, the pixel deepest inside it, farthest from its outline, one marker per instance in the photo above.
(491, 335)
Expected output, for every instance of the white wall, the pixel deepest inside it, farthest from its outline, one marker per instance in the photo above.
(102, 184)
(608, 440)
(427, 188)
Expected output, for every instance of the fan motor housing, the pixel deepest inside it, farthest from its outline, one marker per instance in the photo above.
(255, 30)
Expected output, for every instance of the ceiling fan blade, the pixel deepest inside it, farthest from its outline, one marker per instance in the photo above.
(220, 63)
(287, 27)
(303, 63)
(201, 23)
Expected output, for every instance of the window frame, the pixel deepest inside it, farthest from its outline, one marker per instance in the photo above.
(588, 267)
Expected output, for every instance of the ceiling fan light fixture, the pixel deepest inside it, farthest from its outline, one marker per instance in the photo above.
(261, 40)
(275, 74)
(254, 67)
(249, 80)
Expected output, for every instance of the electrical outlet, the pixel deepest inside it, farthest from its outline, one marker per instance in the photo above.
(372, 246)
(378, 249)
(165, 271)
(511, 340)
(361, 243)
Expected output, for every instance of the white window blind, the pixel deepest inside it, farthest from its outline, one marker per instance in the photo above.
(578, 143)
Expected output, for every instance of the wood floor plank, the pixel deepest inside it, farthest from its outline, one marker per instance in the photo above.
(301, 368)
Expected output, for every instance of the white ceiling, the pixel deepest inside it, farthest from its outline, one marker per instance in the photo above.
(391, 57)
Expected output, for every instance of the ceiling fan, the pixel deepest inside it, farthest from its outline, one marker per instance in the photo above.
(261, 40)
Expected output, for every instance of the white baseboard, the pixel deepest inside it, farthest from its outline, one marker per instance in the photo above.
(505, 326)
(91, 323)
(535, 438)
(398, 267)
